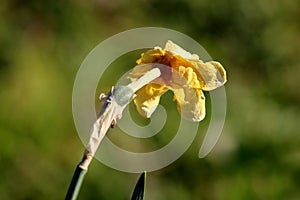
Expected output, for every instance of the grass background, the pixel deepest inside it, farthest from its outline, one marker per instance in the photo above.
(42, 44)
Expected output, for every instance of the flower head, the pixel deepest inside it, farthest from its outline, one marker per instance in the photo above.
(181, 72)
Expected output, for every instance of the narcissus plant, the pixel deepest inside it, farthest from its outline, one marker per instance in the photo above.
(157, 71)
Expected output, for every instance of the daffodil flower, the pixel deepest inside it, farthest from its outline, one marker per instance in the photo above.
(184, 74)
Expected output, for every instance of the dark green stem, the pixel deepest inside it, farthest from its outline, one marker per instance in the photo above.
(76, 183)
(78, 176)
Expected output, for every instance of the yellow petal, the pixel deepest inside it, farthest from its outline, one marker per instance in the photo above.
(151, 56)
(190, 103)
(177, 50)
(147, 98)
(185, 76)
(211, 73)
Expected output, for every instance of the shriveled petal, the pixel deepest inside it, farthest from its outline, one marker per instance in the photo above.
(190, 103)
(212, 73)
(151, 56)
(191, 67)
(177, 50)
(147, 98)
(185, 76)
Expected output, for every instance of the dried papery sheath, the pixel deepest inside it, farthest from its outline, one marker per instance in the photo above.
(139, 83)
(117, 100)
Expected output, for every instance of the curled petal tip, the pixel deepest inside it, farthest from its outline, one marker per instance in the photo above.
(148, 112)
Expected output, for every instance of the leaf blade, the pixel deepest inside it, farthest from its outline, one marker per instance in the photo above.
(139, 189)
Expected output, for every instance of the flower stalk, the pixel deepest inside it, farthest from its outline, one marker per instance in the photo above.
(114, 104)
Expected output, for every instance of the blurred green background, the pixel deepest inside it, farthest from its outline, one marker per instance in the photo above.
(42, 44)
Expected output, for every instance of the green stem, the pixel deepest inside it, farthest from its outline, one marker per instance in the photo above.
(78, 177)
(75, 183)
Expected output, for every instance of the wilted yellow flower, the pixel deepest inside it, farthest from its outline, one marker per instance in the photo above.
(186, 75)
